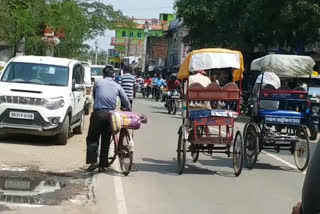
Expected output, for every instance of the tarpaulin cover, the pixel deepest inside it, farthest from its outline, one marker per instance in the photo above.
(212, 58)
(284, 65)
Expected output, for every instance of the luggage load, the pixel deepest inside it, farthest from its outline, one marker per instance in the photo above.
(127, 120)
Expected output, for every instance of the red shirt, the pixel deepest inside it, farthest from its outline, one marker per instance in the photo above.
(148, 81)
(173, 85)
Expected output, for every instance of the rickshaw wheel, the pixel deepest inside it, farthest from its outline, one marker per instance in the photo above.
(251, 146)
(181, 153)
(238, 153)
(314, 132)
(195, 154)
(301, 149)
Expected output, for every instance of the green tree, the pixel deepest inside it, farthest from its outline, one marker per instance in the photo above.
(243, 24)
(80, 20)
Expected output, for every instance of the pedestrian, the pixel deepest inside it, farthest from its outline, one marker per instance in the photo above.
(201, 78)
(105, 94)
(128, 82)
(153, 85)
(311, 188)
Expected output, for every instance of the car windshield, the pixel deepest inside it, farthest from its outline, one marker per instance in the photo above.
(41, 74)
(96, 71)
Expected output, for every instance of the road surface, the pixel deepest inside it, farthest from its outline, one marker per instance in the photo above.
(208, 186)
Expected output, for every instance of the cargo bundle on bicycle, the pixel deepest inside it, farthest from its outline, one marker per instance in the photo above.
(122, 144)
(278, 112)
(209, 112)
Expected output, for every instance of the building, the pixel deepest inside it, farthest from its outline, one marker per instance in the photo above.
(178, 47)
(157, 50)
(129, 41)
(114, 58)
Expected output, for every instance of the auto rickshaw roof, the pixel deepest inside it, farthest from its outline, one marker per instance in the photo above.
(284, 65)
(212, 58)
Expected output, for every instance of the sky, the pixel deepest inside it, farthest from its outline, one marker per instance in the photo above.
(145, 9)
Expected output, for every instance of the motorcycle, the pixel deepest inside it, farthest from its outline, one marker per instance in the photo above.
(172, 101)
(158, 92)
(146, 90)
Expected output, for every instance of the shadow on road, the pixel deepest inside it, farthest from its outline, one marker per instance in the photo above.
(267, 166)
(170, 168)
(29, 140)
(160, 112)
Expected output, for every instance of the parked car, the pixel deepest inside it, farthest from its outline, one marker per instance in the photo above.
(42, 96)
(97, 72)
(89, 85)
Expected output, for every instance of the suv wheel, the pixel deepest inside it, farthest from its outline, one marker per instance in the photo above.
(87, 110)
(80, 128)
(62, 138)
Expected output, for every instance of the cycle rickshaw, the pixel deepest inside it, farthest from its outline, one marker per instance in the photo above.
(211, 130)
(278, 113)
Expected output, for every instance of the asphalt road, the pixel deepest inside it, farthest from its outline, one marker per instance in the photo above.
(208, 186)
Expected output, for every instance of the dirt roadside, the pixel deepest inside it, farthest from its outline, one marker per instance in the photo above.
(41, 153)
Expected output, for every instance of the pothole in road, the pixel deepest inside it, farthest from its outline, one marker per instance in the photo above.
(37, 188)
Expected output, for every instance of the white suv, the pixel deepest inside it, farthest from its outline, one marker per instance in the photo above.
(42, 96)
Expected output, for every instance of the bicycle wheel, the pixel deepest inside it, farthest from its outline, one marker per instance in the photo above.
(181, 153)
(301, 149)
(124, 153)
(112, 155)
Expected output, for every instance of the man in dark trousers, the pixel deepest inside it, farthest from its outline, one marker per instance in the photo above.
(105, 93)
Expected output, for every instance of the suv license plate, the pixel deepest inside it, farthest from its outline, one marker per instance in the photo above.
(21, 115)
(12, 184)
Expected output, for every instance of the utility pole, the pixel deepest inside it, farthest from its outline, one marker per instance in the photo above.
(146, 32)
(96, 58)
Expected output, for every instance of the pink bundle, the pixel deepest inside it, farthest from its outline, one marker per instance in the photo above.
(128, 120)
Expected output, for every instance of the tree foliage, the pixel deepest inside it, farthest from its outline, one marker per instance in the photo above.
(244, 24)
(80, 20)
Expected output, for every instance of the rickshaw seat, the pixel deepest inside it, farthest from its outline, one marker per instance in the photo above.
(280, 113)
(193, 114)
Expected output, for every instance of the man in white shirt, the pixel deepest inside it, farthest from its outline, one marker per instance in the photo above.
(200, 77)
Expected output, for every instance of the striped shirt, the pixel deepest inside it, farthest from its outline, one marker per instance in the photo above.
(127, 83)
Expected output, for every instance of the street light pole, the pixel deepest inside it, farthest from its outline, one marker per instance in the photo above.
(146, 32)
